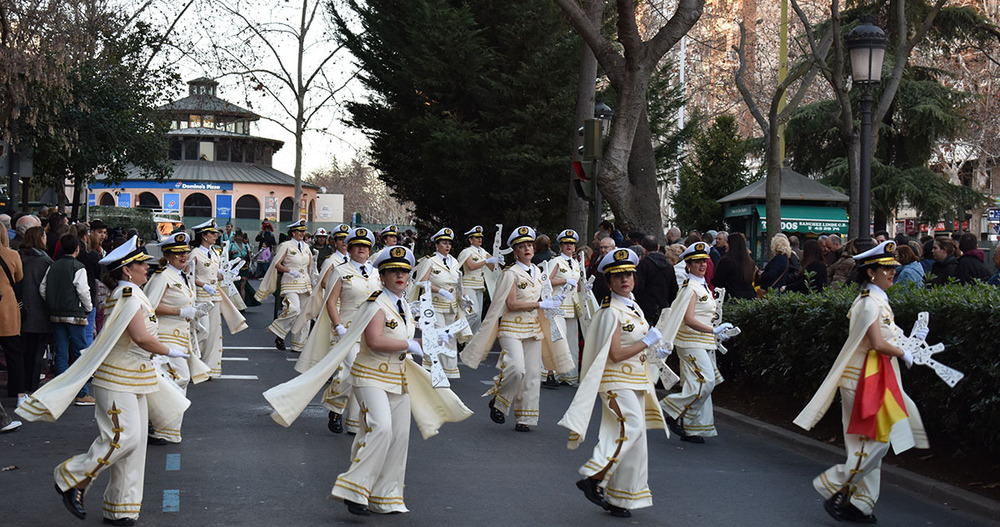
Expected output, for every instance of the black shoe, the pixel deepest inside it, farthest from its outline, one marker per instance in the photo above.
(73, 500)
(698, 440)
(357, 508)
(592, 491)
(854, 514)
(279, 343)
(496, 415)
(550, 382)
(336, 424)
(674, 426)
(619, 512)
(521, 428)
(834, 505)
(151, 440)
(120, 522)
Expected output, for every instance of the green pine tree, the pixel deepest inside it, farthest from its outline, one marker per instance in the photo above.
(717, 168)
(471, 113)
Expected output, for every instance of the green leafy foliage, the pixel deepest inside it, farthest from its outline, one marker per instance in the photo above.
(471, 113)
(791, 340)
(715, 170)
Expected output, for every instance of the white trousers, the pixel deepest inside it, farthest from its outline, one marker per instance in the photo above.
(621, 449)
(476, 318)
(339, 395)
(291, 308)
(519, 380)
(378, 455)
(864, 461)
(570, 328)
(121, 448)
(181, 374)
(692, 407)
(210, 341)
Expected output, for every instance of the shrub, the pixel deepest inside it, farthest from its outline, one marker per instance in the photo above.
(790, 341)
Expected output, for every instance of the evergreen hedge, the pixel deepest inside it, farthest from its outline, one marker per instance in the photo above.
(790, 341)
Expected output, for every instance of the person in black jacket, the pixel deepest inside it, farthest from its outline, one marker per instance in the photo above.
(946, 253)
(655, 282)
(971, 268)
(812, 262)
(736, 269)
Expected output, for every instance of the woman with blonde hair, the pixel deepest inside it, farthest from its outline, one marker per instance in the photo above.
(776, 271)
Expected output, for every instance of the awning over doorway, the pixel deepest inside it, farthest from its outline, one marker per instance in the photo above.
(800, 218)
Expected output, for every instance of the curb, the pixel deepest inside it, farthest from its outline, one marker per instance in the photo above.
(944, 494)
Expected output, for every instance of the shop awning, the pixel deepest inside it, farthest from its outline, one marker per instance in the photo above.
(800, 218)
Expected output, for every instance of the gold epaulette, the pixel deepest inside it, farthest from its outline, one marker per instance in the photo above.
(374, 295)
(606, 302)
(218, 250)
(127, 292)
(160, 270)
(865, 293)
(685, 284)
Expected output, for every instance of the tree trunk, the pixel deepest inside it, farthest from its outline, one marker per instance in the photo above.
(642, 177)
(772, 187)
(578, 209)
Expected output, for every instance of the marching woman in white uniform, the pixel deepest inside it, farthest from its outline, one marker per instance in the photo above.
(564, 271)
(172, 296)
(616, 367)
(206, 261)
(294, 259)
(876, 412)
(124, 381)
(689, 328)
(386, 381)
(515, 318)
(444, 273)
(475, 261)
(353, 282)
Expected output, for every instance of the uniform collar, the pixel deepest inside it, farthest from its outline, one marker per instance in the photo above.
(391, 296)
(876, 291)
(624, 300)
(176, 270)
(526, 268)
(208, 250)
(697, 279)
(444, 257)
(360, 266)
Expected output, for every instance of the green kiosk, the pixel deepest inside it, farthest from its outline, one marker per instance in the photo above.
(808, 207)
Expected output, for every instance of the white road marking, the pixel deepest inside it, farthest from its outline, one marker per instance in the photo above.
(239, 377)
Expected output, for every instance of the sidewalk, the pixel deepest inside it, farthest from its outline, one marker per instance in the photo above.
(926, 488)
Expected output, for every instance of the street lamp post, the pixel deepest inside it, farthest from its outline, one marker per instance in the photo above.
(866, 44)
(603, 113)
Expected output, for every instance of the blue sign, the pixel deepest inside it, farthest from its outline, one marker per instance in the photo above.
(994, 214)
(171, 201)
(178, 185)
(224, 206)
(125, 200)
(92, 200)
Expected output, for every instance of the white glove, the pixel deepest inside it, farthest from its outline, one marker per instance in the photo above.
(202, 308)
(445, 294)
(589, 286)
(413, 347)
(491, 260)
(444, 337)
(722, 337)
(294, 274)
(722, 327)
(653, 336)
(341, 330)
(208, 289)
(907, 358)
(571, 282)
(662, 353)
(188, 312)
(921, 334)
(551, 302)
(177, 353)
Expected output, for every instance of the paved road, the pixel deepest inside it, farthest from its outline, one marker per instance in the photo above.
(237, 467)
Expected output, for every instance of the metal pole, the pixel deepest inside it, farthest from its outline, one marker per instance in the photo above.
(865, 188)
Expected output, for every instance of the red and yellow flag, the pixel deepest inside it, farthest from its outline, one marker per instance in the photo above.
(879, 400)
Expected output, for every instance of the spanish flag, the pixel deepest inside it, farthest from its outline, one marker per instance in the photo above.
(879, 401)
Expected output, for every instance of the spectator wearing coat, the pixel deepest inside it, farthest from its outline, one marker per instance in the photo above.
(655, 283)
(972, 264)
(10, 312)
(24, 370)
(946, 253)
(910, 271)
